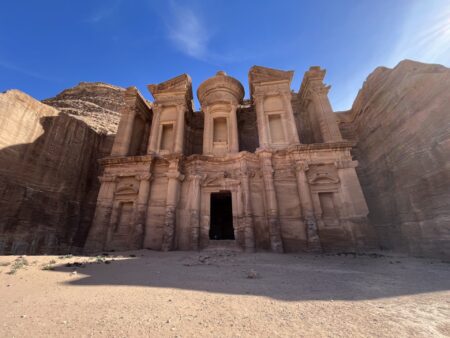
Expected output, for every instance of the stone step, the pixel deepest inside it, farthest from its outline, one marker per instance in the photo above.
(223, 245)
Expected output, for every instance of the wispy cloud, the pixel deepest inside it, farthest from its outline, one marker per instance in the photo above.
(104, 12)
(188, 32)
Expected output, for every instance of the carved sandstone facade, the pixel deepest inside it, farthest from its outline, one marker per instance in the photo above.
(269, 173)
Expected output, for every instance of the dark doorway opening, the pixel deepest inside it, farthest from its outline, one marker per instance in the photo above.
(221, 216)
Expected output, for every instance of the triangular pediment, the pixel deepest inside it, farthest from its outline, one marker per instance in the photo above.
(180, 85)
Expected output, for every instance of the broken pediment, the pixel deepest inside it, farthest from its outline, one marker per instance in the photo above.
(177, 86)
(322, 178)
(262, 75)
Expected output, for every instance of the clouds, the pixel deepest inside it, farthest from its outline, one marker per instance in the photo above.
(104, 12)
(188, 32)
(425, 35)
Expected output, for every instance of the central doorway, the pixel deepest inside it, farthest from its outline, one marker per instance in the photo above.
(221, 227)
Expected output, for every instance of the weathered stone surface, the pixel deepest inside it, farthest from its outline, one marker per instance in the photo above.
(95, 103)
(234, 171)
(401, 119)
(48, 176)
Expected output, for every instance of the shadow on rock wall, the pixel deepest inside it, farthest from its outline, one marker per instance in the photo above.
(48, 188)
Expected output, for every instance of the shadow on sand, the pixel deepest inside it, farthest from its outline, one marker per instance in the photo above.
(285, 277)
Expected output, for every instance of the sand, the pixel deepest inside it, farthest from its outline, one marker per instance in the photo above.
(224, 294)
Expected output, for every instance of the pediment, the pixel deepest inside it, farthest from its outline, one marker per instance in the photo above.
(323, 178)
(259, 75)
(180, 85)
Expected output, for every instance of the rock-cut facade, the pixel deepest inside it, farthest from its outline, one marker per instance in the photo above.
(268, 173)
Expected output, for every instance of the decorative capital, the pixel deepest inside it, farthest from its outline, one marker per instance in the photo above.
(319, 90)
(175, 175)
(144, 177)
(343, 164)
(301, 166)
(107, 178)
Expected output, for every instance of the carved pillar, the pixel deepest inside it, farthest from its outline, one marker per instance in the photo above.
(293, 138)
(141, 208)
(207, 131)
(234, 142)
(122, 140)
(307, 206)
(351, 189)
(271, 201)
(153, 144)
(173, 190)
(261, 121)
(249, 232)
(326, 117)
(195, 211)
(97, 233)
(179, 139)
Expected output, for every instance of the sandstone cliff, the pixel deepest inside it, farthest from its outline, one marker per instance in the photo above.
(95, 103)
(401, 120)
(48, 176)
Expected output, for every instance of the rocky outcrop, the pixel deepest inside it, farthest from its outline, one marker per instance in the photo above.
(48, 176)
(95, 103)
(401, 120)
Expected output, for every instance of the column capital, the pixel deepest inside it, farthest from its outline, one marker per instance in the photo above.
(107, 178)
(319, 89)
(144, 177)
(175, 175)
(343, 164)
(301, 165)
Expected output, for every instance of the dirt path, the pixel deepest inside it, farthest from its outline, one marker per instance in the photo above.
(224, 294)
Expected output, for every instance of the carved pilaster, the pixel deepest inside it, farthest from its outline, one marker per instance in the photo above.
(173, 189)
(249, 232)
(97, 233)
(153, 143)
(271, 201)
(179, 138)
(307, 206)
(195, 211)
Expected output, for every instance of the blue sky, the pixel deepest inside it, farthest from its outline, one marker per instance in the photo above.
(49, 45)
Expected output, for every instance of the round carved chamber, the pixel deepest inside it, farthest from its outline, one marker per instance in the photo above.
(219, 97)
(220, 88)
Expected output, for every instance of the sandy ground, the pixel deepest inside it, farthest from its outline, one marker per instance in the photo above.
(224, 294)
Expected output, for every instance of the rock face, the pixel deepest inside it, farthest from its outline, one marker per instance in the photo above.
(95, 103)
(401, 120)
(48, 176)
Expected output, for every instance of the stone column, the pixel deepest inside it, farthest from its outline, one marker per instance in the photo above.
(207, 132)
(271, 201)
(122, 140)
(195, 211)
(293, 133)
(249, 232)
(351, 189)
(173, 190)
(307, 206)
(142, 205)
(179, 138)
(261, 121)
(234, 142)
(153, 144)
(97, 233)
(329, 127)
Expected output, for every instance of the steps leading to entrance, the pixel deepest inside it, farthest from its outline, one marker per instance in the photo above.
(223, 245)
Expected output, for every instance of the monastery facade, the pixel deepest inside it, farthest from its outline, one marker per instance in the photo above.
(269, 173)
